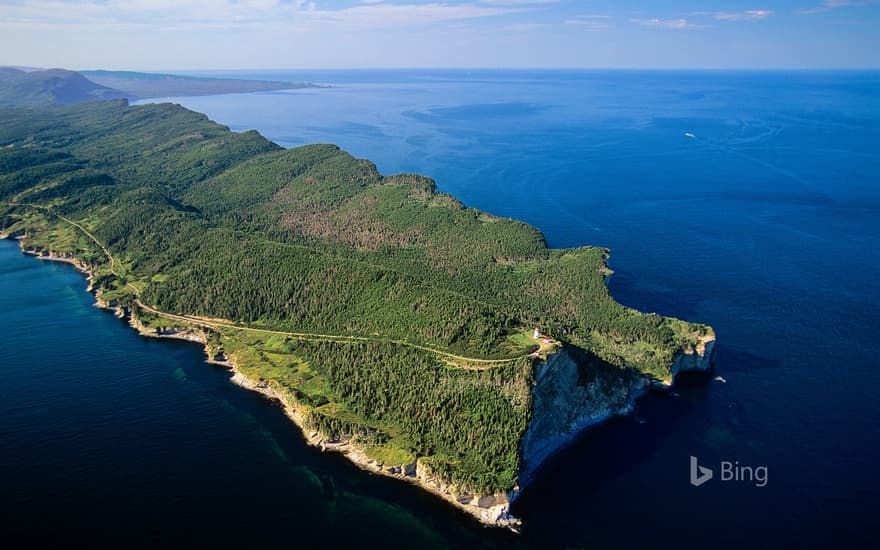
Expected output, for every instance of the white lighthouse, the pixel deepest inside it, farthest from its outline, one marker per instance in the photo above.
(537, 334)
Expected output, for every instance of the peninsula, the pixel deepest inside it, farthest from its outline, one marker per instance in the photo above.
(39, 87)
(148, 85)
(393, 323)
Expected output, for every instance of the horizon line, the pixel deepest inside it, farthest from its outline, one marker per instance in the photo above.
(462, 68)
(485, 68)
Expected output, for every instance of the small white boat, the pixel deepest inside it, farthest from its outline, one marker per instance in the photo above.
(720, 379)
(690, 135)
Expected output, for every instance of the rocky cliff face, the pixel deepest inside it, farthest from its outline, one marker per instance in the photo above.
(574, 390)
(571, 393)
(490, 509)
(698, 358)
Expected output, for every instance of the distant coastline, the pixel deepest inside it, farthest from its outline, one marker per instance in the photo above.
(43, 87)
(138, 86)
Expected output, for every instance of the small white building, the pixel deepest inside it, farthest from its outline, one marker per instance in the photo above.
(537, 334)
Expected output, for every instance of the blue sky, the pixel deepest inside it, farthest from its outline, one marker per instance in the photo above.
(265, 34)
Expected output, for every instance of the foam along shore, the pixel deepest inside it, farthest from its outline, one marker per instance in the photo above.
(490, 510)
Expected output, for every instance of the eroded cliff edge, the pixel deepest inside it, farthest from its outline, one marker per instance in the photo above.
(575, 390)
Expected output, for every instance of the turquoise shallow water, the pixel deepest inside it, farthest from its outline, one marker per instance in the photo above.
(764, 224)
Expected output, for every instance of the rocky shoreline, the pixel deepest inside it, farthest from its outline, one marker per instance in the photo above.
(556, 389)
(490, 510)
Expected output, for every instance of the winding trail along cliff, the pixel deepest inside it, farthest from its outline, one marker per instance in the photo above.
(393, 319)
(459, 360)
(573, 391)
(492, 509)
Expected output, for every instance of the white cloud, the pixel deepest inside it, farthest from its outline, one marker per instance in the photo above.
(844, 3)
(665, 23)
(591, 22)
(828, 5)
(191, 14)
(391, 15)
(516, 2)
(747, 15)
(147, 11)
(525, 27)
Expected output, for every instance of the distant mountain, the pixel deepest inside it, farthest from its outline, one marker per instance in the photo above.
(147, 85)
(28, 87)
(35, 88)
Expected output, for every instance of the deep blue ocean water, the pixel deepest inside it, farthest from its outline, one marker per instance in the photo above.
(763, 224)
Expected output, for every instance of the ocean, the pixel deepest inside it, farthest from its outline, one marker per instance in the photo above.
(745, 200)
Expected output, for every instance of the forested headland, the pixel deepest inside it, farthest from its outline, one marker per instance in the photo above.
(419, 310)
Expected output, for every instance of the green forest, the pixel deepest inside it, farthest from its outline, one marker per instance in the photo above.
(206, 222)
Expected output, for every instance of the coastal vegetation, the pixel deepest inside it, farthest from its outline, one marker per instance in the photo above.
(388, 312)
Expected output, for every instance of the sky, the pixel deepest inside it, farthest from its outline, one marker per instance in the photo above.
(309, 34)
